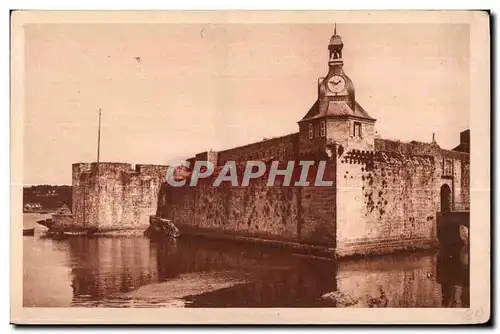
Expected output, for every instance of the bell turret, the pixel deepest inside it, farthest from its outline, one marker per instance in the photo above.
(335, 48)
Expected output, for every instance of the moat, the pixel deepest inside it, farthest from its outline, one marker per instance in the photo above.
(134, 271)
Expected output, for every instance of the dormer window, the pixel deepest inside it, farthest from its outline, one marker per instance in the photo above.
(323, 128)
(310, 131)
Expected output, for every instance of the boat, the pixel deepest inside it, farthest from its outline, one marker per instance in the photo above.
(29, 231)
(32, 207)
(61, 222)
(161, 227)
(75, 233)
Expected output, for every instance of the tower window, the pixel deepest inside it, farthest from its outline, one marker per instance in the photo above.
(310, 131)
(357, 129)
(322, 128)
(447, 167)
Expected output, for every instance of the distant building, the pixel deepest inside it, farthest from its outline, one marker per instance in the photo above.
(464, 142)
(32, 206)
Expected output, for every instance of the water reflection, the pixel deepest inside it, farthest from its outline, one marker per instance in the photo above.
(453, 276)
(130, 271)
(103, 266)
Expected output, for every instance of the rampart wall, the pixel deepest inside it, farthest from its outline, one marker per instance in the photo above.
(115, 196)
(387, 199)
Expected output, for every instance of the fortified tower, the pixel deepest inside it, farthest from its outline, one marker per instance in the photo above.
(335, 129)
(115, 196)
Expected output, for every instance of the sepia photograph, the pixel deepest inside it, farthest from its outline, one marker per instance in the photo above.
(176, 161)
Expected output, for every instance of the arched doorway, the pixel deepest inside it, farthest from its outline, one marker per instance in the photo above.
(445, 198)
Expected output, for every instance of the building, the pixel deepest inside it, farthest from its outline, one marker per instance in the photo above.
(32, 206)
(385, 194)
(115, 196)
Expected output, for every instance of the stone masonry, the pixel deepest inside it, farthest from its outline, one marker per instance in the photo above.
(384, 197)
(115, 196)
(385, 193)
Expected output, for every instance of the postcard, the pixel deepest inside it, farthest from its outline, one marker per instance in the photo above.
(259, 167)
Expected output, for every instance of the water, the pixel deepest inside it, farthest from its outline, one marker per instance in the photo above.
(135, 271)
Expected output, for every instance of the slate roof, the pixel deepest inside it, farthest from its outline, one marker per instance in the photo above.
(337, 109)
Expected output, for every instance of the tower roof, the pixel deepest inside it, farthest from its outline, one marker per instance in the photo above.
(335, 39)
(336, 109)
(336, 102)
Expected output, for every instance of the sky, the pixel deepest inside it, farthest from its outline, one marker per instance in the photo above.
(197, 87)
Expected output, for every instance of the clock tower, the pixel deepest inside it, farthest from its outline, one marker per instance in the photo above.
(336, 85)
(337, 117)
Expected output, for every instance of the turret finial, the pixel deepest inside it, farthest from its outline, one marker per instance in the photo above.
(335, 28)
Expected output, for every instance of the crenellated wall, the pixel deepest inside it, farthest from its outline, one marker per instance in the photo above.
(384, 197)
(256, 210)
(280, 148)
(114, 196)
(387, 199)
(278, 212)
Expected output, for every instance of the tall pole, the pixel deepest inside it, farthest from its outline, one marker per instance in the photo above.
(99, 139)
(98, 152)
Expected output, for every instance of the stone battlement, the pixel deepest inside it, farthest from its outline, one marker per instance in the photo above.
(119, 166)
(115, 195)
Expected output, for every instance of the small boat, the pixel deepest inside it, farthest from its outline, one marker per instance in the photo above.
(61, 221)
(29, 231)
(75, 233)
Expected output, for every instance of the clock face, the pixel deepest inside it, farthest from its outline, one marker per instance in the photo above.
(336, 84)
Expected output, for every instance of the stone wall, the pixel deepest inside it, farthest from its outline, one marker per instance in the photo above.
(382, 200)
(280, 148)
(318, 209)
(461, 173)
(286, 213)
(387, 199)
(79, 187)
(465, 182)
(210, 156)
(256, 210)
(114, 196)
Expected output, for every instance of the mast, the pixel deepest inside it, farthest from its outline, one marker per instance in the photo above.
(99, 139)
(98, 151)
